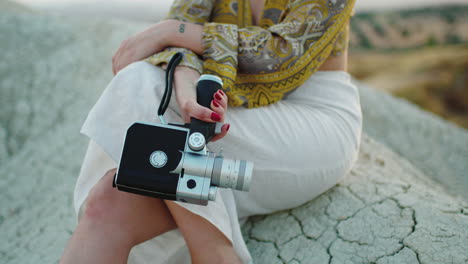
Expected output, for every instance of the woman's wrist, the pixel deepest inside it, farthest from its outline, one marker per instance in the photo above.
(185, 79)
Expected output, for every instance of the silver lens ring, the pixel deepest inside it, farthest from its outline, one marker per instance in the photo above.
(234, 174)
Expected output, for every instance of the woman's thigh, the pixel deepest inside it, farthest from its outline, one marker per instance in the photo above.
(126, 216)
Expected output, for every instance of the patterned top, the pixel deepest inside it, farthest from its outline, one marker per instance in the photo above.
(262, 64)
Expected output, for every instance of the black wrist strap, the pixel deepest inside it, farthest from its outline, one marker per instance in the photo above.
(175, 60)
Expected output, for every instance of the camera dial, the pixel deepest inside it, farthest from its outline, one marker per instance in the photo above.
(158, 159)
(196, 141)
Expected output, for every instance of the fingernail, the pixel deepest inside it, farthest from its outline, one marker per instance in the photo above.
(215, 103)
(227, 127)
(221, 92)
(215, 117)
(218, 97)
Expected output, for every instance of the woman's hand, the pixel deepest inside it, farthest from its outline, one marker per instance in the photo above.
(141, 46)
(185, 89)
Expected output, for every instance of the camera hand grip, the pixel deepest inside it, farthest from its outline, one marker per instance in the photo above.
(207, 86)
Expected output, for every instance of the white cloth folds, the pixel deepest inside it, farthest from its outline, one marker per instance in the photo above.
(300, 146)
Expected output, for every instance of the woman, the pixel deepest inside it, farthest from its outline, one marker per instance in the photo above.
(284, 63)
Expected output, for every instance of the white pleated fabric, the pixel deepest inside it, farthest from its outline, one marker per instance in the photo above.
(300, 146)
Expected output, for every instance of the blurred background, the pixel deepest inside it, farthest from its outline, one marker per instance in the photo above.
(419, 54)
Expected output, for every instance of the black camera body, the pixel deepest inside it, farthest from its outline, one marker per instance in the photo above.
(171, 161)
(145, 145)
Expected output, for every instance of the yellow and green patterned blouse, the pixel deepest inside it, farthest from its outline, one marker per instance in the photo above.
(262, 64)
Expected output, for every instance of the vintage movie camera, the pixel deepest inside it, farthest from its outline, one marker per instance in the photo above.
(171, 161)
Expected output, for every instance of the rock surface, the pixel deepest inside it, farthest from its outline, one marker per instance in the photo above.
(384, 211)
(53, 69)
(436, 146)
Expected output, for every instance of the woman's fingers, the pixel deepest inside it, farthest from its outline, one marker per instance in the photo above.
(217, 107)
(193, 109)
(219, 104)
(221, 99)
(224, 131)
(113, 65)
(216, 114)
(118, 57)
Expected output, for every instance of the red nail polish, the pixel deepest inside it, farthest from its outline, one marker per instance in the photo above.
(215, 103)
(227, 127)
(215, 117)
(221, 92)
(218, 97)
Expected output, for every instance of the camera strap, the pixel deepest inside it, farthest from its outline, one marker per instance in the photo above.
(175, 60)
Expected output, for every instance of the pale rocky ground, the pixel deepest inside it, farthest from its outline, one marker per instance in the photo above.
(386, 210)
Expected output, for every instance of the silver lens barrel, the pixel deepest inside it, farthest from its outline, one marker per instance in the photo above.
(234, 174)
(225, 173)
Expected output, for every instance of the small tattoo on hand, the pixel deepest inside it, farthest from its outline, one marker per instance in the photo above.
(182, 28)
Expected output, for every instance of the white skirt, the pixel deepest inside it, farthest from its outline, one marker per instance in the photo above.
(300, 147)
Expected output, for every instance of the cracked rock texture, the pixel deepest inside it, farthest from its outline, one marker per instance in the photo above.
(435, 146)
(384, 211)
(52, 69)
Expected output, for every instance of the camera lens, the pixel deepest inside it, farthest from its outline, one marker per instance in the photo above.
(235, 174)
(224, 173)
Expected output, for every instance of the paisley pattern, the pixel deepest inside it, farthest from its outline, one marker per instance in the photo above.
(262, 64)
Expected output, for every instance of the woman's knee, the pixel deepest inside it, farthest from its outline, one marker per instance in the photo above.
(334, 147)
(102, 201)
(135, 217)
(105, 204)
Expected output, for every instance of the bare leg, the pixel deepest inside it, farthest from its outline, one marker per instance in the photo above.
(113, 222)
(205, 242)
